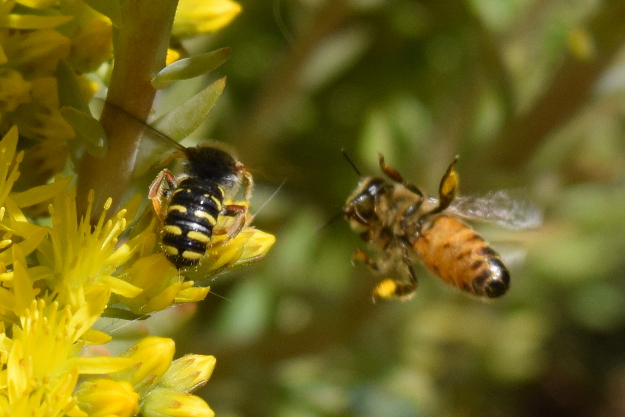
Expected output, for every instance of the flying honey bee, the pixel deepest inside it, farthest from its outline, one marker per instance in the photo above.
(401, 224)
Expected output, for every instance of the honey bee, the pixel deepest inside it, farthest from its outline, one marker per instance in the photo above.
(193, 201)
(401, 224)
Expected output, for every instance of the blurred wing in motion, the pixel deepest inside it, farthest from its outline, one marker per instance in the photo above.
(154, 147)
(502, 207)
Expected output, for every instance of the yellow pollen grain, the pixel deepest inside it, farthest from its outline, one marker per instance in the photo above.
(204, 215)
(193, 256)
(385, 289)
(198, 236)
(174, 230)
(177, 207)
(170, 249)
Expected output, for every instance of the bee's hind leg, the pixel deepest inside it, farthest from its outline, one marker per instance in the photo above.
(392, 289)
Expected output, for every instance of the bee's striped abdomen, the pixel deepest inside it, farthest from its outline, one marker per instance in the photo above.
(191, 215)
(459, 256)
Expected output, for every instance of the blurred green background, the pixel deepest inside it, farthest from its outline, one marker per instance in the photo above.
(531, 95)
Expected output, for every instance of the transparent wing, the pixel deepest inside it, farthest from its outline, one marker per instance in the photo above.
(154, 147)
(503, 207)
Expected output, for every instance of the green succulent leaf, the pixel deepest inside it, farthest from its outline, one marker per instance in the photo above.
(89, 131)
(186, 68)
(184, 119)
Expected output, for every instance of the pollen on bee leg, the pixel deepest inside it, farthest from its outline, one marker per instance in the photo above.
(390, 289)
(385, 289)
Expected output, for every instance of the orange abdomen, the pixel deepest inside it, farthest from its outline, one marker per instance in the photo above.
(460, 257)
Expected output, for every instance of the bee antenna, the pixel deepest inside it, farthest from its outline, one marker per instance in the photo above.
(351, 162)
(329, 222)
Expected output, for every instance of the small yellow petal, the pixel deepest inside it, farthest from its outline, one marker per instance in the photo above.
(96, 337)
(192, 295)
(162, 402)
(201, 16)
(120, 287)
(100, 364)
(25, 21)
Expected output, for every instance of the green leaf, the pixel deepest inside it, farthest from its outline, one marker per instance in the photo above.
(186, 68)
(120, 313)
(89, 131)
(109, 8)
(184, 119)
(69, 91)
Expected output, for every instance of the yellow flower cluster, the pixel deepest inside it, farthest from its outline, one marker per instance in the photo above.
(47, 50)
(60, 274)
(58, 280)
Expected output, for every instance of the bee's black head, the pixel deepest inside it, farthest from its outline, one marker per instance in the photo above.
(213, 164)
(360, 207)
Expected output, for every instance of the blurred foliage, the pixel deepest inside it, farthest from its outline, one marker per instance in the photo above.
(531, 95)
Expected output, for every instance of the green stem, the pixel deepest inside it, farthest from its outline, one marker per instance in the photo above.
(140, 52)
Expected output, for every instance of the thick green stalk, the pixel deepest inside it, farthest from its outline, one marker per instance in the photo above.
(140, 51)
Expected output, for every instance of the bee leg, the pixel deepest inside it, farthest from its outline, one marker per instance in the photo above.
(249, 184)
(391, 289)
(157, 191)
(396, 176)
(241, 214)
(361, 256)
(448, 188)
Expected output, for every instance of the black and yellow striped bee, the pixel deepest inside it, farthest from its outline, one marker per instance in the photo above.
(193, 201)
(401, 225)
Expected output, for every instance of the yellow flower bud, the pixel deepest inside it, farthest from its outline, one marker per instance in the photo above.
(162, 402)
(106, 397)
(188, 373)
(152, 356)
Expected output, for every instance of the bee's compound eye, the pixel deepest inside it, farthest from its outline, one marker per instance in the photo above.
(364, 205)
